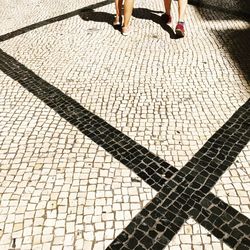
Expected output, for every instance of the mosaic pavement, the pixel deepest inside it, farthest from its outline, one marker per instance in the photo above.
(113, 142)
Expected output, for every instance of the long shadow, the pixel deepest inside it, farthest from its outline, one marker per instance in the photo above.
(53, 20)
(97, 16)
(143, 13)
(140, 13)
(151, 168)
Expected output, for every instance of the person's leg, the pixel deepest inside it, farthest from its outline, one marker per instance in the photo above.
(182, 6)
(180, 29)
(118, 9)
(167, 16)
(128, 9)
(167, 4)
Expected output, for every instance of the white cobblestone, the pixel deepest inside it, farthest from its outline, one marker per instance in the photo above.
(168, 95)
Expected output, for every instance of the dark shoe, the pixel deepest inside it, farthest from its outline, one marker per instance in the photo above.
(179, 30)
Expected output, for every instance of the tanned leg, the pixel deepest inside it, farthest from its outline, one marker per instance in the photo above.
(167, 4)
(118, 9)
(182, 6)
(128, 9)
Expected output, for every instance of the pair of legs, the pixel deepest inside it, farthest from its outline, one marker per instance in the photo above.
(128, 9)
(182, 6)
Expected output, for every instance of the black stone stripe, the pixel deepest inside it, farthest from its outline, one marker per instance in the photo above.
(224, 222)
(161, 219)
(145, 164)
(53, 20)
(149, 167)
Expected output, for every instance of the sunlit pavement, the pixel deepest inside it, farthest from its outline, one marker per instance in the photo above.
(94, 125)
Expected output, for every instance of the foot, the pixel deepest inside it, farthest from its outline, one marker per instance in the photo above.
(179, 30)
(126, 30)
(117, 21)
(167, 18)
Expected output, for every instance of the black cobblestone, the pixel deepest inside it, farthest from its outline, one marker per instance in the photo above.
(134, 155)
(232, 129)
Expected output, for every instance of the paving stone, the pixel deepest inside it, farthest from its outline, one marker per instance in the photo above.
(167, 95)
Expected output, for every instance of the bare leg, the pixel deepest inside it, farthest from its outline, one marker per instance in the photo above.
(182, 6)
(167, 4)
(128, 9)
(118, 7)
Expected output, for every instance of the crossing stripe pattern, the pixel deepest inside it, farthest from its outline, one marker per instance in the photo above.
(188, 189)
(161, 219)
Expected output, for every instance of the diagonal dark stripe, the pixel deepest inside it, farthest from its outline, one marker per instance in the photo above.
(161, 219)
(223, 221)
(52, 20)
(149, 167)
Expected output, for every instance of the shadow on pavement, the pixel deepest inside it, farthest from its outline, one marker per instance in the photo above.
(143, 13)
(92, 15)
(52, 20)
(235, 41)
(237, 44)
(140, 13)
(229, 9)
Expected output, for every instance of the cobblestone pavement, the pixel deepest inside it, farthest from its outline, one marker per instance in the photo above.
(96, 127)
